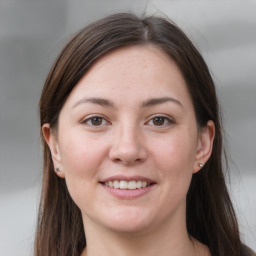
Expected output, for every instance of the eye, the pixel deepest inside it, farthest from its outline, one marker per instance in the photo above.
(160, 121)
(95, 121)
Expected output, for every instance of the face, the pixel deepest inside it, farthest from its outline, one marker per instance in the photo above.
(128, 143)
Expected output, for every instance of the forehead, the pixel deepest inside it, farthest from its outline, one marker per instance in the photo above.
(144, 57)
(133, 71)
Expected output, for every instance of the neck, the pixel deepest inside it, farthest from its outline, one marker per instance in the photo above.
(166, 240)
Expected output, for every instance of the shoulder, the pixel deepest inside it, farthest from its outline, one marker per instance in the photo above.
(249, 251)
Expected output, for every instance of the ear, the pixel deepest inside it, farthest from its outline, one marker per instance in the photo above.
(204, 147)
(52, 141)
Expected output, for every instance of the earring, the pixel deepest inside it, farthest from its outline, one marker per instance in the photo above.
(201, 165)
(57, 169)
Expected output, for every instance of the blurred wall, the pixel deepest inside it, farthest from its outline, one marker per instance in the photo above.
(32, 32)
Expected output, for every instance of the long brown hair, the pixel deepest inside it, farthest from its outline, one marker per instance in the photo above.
(210, 215)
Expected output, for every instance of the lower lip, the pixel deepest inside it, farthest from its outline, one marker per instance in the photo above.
(129, 193)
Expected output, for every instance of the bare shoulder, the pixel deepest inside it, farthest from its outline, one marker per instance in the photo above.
(250, 251)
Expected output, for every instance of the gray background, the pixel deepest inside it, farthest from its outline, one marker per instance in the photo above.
(31, 34)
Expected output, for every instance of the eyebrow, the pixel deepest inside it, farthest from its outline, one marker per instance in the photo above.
(97, 101)
(108, 103)
(157, 101)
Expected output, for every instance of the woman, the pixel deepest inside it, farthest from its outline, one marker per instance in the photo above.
(133, 147)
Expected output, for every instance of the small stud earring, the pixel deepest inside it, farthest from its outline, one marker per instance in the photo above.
(57, 169)
(201, 165)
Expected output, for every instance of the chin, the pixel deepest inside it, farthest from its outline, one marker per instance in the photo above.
(129, 228)
(128, 221)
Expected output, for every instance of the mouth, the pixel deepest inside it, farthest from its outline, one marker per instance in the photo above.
(128, 185)
(127, 188)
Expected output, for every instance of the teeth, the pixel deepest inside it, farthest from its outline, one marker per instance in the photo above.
(116, 184)
(139, 184)
(123, 184)
(144, 184)
(132, 184)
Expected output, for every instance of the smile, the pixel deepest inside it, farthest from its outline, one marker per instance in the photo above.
(123, 184)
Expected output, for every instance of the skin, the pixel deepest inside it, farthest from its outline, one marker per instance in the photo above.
(128, 139)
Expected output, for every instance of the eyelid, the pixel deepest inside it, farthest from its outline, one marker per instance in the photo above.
(86, 119)
(166, 117)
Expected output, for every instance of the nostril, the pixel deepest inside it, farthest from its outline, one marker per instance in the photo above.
(128, 151)
(126, 161)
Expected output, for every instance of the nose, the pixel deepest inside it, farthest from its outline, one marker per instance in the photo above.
(128, 146)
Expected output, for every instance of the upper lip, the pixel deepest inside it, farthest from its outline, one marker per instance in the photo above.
(128, 178)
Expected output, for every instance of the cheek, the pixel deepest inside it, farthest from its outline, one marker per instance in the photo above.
(81, 157)
(176, 153)
(175, 156)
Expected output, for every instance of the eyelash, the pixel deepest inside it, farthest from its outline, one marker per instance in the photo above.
(166, 121)
(88, 121)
